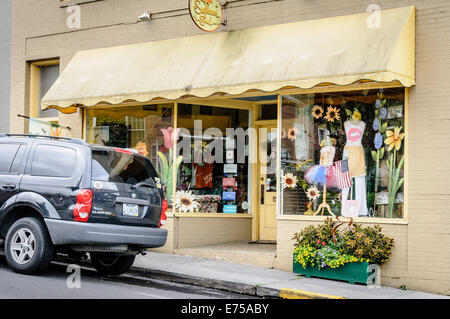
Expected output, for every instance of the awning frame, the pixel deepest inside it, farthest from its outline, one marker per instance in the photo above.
(86, 89)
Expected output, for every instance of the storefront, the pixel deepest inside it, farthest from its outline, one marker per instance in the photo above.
(227, 174)
(259, 132)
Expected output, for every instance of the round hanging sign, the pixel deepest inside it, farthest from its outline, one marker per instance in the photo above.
(206, 14)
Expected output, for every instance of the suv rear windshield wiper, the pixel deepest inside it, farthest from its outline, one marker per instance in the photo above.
(142, 184)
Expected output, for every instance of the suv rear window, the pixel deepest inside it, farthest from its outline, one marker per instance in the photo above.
(118, 167)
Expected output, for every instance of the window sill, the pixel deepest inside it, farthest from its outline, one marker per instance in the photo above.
(67, 3)
(208, 215)
(361, 220)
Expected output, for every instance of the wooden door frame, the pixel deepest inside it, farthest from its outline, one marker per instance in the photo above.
(257, 176)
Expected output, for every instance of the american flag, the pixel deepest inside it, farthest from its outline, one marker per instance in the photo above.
(342, 178)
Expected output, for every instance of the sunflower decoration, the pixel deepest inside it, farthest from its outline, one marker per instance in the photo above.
(312, 193)
(394, 138)
(357, 115)
(317, 112)
(292, 133)
(141, 147)
(289, 181)
(332, 114)
(185, 201)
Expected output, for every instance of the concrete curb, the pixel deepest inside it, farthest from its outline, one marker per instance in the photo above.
(229, 286)
(233, 287)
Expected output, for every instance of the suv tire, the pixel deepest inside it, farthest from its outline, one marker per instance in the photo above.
(111, 264)
(28, 246)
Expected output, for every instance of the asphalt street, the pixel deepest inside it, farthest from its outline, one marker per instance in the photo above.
(55, 283)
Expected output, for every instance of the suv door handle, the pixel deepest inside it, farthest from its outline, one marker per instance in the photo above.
(9, 186)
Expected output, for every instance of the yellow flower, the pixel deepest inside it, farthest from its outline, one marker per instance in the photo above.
(394, 138)
(357, 116)
(332, 114)
(141, 147)
(317, 111)
(292, 133)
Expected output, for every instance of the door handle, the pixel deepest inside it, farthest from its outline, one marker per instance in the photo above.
(262, 193)
(9, 186)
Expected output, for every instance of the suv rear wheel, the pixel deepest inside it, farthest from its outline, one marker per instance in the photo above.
(28, 247)
(111, 264)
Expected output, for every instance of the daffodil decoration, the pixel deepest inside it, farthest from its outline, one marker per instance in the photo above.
(394, 142)
(394, 138)
(322, 143)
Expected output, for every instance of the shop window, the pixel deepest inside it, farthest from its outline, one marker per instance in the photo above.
(213, 173)
(43, 75)
(147, 129)
(268, 112)
(343, 153)
(43, 122)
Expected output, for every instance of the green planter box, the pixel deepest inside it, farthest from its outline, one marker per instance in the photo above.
(351, 272)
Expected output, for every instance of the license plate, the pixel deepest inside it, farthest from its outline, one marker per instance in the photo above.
(130, 210)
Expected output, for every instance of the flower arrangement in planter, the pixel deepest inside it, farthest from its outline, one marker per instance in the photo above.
(331, 251)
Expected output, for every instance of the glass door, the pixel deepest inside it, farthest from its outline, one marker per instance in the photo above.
(267, 182)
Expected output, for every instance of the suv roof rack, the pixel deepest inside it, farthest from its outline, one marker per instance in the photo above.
(73, 140)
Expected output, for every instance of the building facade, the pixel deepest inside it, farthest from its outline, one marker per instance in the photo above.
(305, 111)
(5, 58)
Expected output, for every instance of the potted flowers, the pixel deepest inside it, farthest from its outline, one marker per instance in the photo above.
(334, 252)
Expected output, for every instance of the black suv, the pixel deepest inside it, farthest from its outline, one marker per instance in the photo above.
(66, 196)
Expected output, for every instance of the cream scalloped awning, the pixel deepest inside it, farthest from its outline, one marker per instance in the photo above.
(339, 50)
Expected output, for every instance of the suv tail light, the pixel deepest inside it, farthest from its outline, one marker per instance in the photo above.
(122, 150)
(82, 209)
(163, 219)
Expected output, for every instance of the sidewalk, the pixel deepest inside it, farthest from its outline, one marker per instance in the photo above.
(259, 281)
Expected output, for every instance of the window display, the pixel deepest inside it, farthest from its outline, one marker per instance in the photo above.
(212, 177)
(343, 153)
(148, 129)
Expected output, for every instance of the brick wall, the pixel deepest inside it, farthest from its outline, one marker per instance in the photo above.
(207, 230)
(40, 32)
(5, 55)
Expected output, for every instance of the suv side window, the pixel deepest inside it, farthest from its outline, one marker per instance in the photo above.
(15, 167)
(8, 153)
(54, 161)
